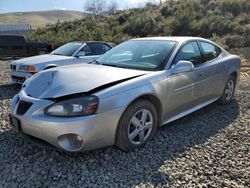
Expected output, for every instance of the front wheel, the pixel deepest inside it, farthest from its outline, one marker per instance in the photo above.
(228, 92)
(136, 126)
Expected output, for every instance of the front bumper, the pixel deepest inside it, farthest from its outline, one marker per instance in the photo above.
(94, 131)
(19, 77)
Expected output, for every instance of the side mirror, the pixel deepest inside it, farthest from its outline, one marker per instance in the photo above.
(81, 53)
(182, 66)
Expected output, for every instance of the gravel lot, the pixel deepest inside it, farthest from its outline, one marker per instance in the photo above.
(209, 148)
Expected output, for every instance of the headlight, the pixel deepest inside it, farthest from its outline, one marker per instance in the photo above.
(27, 68)
(73, 107)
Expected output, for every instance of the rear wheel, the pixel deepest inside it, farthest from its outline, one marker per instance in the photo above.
(136, 126)
(228, 92)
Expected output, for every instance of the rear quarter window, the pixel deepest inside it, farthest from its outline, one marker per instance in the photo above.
(210, 51)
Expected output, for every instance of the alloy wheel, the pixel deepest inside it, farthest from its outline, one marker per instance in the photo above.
(140, 127)
(229, 90)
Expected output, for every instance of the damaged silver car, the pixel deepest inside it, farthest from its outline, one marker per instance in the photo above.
(125, 95)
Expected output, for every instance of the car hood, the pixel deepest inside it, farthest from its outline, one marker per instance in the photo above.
(40, 59)
(76, 79)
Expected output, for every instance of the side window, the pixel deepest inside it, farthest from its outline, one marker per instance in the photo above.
(86, 49)
(98, 48)
(210, 51)
(189, 52)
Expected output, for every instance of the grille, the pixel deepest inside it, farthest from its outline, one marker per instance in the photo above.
(23, 107)
(18, 79)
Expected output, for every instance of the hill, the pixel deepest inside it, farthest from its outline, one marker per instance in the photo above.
(40, 18)
(227, 22)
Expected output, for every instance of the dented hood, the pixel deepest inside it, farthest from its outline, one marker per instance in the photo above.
(74, 79)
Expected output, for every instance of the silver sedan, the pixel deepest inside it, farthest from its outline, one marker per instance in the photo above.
(125, 95)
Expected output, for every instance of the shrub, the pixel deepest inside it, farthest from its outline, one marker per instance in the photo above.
(225, 21)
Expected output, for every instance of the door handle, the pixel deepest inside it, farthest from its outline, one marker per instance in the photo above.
(201, 74)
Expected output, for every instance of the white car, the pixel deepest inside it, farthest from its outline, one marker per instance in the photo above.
(70, 53)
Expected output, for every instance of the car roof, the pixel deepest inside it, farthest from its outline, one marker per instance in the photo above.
(172, 38)
(92, 42)
(88, 42)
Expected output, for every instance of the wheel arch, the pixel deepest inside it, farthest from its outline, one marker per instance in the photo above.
(154, 100)
(234, 73)
(119, 137)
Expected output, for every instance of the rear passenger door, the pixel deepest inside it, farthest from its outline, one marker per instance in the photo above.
(212, 61)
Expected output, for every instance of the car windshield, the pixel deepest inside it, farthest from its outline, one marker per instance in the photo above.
(138, 54)
(67, 49)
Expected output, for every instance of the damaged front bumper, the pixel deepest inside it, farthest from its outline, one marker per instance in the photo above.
(66, 133)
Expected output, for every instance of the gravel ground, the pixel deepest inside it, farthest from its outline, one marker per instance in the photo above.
(209, 148)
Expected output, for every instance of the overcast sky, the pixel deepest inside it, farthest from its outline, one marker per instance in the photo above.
(41, 5)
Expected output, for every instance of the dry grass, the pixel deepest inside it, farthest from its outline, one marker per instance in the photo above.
(41, 18)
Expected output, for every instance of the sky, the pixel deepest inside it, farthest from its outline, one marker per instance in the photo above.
(7, 6)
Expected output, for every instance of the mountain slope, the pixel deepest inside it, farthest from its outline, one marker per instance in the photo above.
(40, 18)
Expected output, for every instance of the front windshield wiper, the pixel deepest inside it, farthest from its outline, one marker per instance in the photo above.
(105, 64)
(111, 65)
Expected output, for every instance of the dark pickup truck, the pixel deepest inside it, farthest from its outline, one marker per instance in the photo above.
(17, 46)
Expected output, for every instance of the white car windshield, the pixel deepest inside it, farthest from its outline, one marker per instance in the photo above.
(68, 49)
(138, 54)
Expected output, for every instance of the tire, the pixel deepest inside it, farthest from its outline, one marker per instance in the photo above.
(228, 91)
(132, 123)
